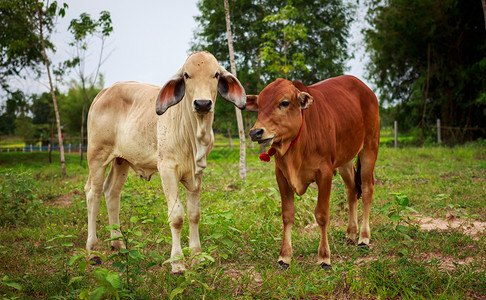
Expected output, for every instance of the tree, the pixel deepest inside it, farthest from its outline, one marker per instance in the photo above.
(327, 25)
(20, 46)
(49, 12)
(72, 106)
(428, 58)
(24, 128)
(15, 105)
(82, 30)
(284, 33)
(239, 118)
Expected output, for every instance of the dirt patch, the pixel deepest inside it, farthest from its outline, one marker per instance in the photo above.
(64, 200)
(238, 276)
(471, 228)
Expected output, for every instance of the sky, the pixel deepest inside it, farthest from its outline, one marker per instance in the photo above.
(150, 41)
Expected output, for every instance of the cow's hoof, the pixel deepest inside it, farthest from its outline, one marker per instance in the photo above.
(177, 273)
(326, 267)
(363, 247)
(282, 266)
(96, 260)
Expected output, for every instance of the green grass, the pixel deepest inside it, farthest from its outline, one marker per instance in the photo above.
(44, 225)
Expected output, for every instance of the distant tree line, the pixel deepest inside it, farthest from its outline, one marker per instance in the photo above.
(428, 60)
(32, 117)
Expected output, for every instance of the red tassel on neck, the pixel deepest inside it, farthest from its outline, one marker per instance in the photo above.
(266, 156)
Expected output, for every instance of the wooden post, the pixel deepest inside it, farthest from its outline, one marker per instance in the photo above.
(396, 134)
(438, 131)
(30, 147)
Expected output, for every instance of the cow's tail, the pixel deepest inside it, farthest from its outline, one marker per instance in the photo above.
(357, 177)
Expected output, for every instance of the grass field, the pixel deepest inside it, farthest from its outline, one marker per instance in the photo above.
(44, 226)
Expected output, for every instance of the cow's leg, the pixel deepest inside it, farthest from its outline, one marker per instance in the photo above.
(347, 173)
(94, 189)
(288, 213)
(324, 182)
(368, 159)
(194, 214)
(176, 214)
(113, 186)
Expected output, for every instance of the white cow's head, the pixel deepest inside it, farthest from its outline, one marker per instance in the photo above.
(198, 81)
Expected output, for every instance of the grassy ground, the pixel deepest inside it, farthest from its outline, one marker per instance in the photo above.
(44, 226)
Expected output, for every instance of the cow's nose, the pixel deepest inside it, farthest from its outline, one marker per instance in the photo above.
(256, 134)
(202, 106)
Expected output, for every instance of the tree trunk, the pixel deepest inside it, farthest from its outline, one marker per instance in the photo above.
(424, 112)
(51, 142)
(484, 12)
(239, 118)
(54, 101)
(83, 119)
(229, 137)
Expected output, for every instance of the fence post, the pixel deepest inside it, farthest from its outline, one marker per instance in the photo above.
(80, 149)
(438, 131)
(69, 148)
(31, 148)
(396, 134)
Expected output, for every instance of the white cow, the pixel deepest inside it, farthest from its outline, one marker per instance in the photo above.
(124, 130)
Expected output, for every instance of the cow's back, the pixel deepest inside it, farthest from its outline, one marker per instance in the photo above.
(345, 107)
(122, 123)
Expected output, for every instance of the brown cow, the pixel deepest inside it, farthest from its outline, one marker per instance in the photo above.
(340, 122)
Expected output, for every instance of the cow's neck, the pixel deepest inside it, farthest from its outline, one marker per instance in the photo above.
(201, 126)
(293, 160)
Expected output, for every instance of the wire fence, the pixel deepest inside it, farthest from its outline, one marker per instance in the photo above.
(68, 148)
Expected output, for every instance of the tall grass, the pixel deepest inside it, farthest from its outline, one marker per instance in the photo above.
(44, 226)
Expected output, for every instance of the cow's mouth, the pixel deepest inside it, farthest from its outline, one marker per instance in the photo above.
(266, 142)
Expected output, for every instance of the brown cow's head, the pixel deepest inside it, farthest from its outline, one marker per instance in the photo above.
(279, 107)
(198, 81)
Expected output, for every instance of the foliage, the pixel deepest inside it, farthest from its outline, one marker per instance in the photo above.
(326, 23)
(283, 34)
(428, 60)
(71, 107)
(20, 44)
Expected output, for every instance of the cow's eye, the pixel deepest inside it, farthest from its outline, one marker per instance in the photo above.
(284, 104)
(216, 75)
(187, 76)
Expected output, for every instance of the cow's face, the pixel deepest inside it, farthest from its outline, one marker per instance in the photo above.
(199, 81)
(279, 106)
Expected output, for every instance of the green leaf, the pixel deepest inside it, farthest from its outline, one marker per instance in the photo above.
(98, 293)
(134, 219)
(114, 279)
(75, 279)
(395, 218)
(13, 284)
(177, 257)
(67, 244)
(138, 233)
(175, 292)
(401, 228)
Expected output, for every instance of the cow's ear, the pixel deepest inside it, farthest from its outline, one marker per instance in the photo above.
(305, 100)
(171, 93)
(251, 103)
(231, 89)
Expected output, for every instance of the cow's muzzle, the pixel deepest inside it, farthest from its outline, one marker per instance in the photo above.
(256, 134)
(203, 106)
